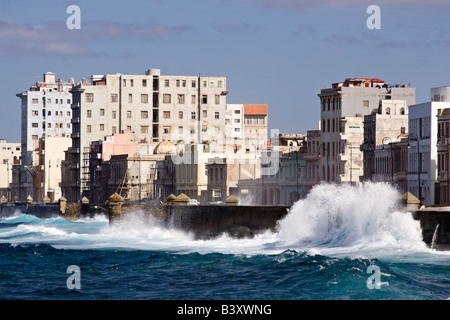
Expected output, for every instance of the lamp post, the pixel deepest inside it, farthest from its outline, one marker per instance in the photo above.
(414, 137)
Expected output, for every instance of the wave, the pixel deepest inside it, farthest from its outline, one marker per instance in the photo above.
(337, 221)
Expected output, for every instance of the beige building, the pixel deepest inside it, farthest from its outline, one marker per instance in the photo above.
(10, 154)
(154, 107)
(255, 127)
(343, 107)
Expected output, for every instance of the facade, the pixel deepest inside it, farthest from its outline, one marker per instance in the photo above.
(46, 112)
(234, 123)
(312, 158)
(154, 107)
(255, 127)
(343, 107)
(423, 150)
(10, 154)
(443, 148)
(382, 127)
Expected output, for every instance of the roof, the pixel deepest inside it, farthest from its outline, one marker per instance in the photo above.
(255, 109)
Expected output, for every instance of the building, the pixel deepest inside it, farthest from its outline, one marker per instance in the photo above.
(46, 112)
(153, 107)
(312, 158)
(382, 127)
(343, 107)
(255, 127)
(423, 146)
(10, 154)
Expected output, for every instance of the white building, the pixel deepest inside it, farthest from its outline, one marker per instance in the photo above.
(46, 112)
(343, 107)
(154, 107)
(423, 151)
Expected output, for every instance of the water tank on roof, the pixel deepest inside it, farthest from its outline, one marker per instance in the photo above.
(153, 72)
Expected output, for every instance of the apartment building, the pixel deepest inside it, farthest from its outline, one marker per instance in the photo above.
(46, 112)
(153, 107)
(255, 127)
(343, 107)
(425, 141)
(381, 128)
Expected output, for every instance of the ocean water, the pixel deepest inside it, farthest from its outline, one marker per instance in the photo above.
(340, 243)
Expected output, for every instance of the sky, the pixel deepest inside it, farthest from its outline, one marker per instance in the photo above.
(275, 52)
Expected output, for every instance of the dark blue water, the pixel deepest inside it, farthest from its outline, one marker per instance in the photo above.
(318, 253)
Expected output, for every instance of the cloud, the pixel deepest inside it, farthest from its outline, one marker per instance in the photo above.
(230, 27)
(54, 38)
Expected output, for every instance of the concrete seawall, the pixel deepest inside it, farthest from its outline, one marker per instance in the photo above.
(435, 225)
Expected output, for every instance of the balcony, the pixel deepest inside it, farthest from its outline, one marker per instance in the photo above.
(311, 156)
(75, 135)
(75, 120)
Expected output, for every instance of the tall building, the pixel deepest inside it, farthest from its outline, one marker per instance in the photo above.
(424, 120)
(255, 127)
(46, 112)
(154, 107)
(343, 107)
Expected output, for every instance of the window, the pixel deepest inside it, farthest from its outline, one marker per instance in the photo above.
(144, 129)
(181, 98)
(180, 130)
(144, 114)
(114, 97)
(178, 83)
(88, 128)
(166, 83)
(205, 84)
(219, 83)
(124, 82)
(166, 130)
(237, 120)
(166, 114)
(193, 99)
(227, 121)
(365, 103)
(205, 114)
(388, 111)
(144, 98)
(68, 101)
(102, 112)
(193, 115)
(261, 121)
(180, 114)
(194, 84)
(35, 125)
(184, 83)
(128, 114)
(89, 113)
(167, 98)
(144, 82)
(217, 115)
(34, 137)
(89, 97)
(49, 100)
(34, 113)
(114, 114)
(102, 127)
(237, 111)
(204, 128)
(132, 82)
(49, 113)
(35, 101)
(68, 126)
(237, 129)
(56, 101)
(211, 84)
(114, 130)
(68, 113)
(204, 99)
(130, 98)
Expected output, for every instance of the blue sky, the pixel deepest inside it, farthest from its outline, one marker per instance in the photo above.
(275, 52)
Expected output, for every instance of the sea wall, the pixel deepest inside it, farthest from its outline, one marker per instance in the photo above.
(435, 225)
(209, 221)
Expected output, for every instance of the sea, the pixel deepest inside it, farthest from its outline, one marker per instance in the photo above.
(339, 243)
